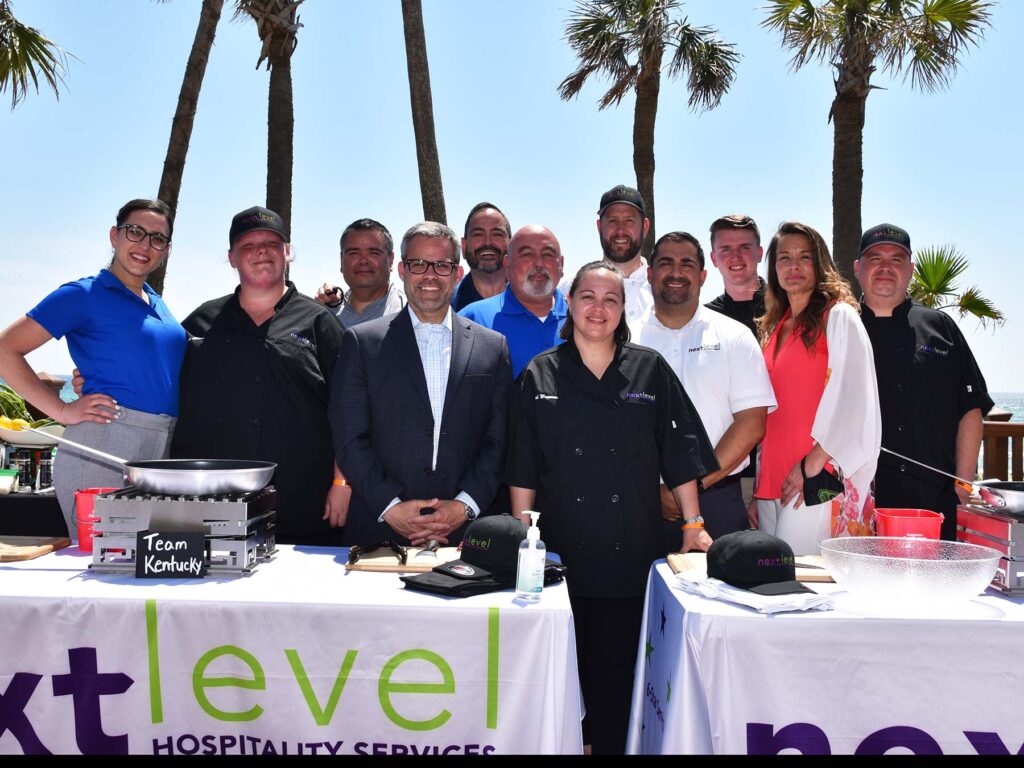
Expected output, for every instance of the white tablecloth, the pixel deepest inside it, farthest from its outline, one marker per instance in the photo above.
(298, 657)
(714, 677)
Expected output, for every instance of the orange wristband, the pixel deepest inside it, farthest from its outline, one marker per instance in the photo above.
(339, 482)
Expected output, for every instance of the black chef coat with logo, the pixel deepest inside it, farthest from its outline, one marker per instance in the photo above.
(593, 451)
(260, 392)
(927, 380)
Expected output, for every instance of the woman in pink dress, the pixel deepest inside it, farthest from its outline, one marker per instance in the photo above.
(822, 369)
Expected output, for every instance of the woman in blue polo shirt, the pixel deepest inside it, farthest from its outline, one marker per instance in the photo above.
(128, 347)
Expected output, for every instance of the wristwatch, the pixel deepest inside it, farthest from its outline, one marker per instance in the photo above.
(697, 521)
(470, 512)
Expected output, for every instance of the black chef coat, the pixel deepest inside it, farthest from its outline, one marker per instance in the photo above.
(593, 451)
(927, 380)
(260, 392)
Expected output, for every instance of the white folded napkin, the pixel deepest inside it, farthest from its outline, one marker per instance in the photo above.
(699, 584)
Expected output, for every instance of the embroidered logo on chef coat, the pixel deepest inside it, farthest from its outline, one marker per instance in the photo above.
(301, 339)
(930, 350)
(716, 347)
(542, 396)
(643, 396)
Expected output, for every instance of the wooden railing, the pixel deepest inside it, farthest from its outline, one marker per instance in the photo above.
(1003, 446)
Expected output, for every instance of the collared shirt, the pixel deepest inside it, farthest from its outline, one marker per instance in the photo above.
(927, 380)
(593, 450)
(741, 311)
(719, 363)
(260, 392)
(465, 293)
(388, 304)
(435, 344)
(639, 297)
(527, 334)
(124, 347)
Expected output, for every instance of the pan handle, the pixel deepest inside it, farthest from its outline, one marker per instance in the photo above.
(79, 446)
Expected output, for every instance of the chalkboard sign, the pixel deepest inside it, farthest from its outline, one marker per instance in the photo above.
(170, 555)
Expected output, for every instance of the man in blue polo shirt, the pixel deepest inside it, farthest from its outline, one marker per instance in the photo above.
(531, 310)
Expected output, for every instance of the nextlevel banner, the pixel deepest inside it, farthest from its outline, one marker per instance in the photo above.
(144, 676)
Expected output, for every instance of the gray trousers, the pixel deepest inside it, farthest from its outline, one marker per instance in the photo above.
(134, 436)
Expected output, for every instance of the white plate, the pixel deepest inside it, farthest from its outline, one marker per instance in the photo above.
(21, 437)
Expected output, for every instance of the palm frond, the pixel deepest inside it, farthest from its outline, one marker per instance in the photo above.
(936, 271)
(972, 303)
(710, 63)
(26, 57)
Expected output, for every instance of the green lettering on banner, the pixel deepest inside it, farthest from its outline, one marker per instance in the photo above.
(321, 716)
(493, 668)
(385, 688)
(200, 683)
(156, 702)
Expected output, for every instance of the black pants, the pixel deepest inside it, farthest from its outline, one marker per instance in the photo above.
(607, 633)
(723, 511)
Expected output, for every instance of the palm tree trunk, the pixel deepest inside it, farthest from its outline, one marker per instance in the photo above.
(280, 130)
(645, 113)
(184, 116)
(429, 164)
(847, 180)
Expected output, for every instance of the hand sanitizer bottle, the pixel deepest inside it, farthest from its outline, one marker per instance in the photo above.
(530, 574)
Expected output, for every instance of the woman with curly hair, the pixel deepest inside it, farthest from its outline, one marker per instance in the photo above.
(821, 445)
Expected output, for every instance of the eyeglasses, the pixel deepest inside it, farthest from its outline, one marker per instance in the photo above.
(137, 234)
(358, 551)
(420, 267)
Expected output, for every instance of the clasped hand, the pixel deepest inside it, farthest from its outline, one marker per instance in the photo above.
(419, 529)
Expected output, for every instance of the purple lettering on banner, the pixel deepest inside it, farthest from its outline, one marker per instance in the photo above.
(85, 685)
(984, 743)
(808, 739)
(12, 713)
(914, 739)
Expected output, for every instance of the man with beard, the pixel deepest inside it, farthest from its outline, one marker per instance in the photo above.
(932, 393)
(367, 254)
(485, 243)
(722, 370)
(417, 409)
(531, 311)
(622, 227)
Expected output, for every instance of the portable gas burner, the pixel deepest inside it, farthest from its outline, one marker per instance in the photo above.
(239, 527)
(978, 523)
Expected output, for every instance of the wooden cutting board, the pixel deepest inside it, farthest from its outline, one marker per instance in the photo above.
(27, 547)
(386, 561)
(697, 561)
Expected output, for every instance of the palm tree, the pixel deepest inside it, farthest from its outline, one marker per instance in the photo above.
(922, 39)
(184, 116)
(626, 40)
(26, 55)
(431, 189)
(277, 22)
(934, 284)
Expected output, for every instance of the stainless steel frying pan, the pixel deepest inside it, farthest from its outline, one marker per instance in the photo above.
(186, 477)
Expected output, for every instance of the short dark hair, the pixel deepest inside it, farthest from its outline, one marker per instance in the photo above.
(679, 237)
(145, 204)
(434, 230)
(369, 225)
(479, 207)
(734, 221)
(622, 329)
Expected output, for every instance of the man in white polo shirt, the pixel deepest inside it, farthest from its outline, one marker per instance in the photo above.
(722, 370)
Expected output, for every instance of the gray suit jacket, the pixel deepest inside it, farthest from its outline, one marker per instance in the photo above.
(383, 427)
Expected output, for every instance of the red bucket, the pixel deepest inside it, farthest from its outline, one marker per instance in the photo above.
(85, 500)
(915, 523)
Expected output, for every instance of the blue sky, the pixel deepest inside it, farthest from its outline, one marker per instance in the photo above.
(945, 166)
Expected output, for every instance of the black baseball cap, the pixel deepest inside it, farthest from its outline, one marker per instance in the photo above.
(755, 561)
(490, 550)
(622, 194)
(885, 233)
(252, 219)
